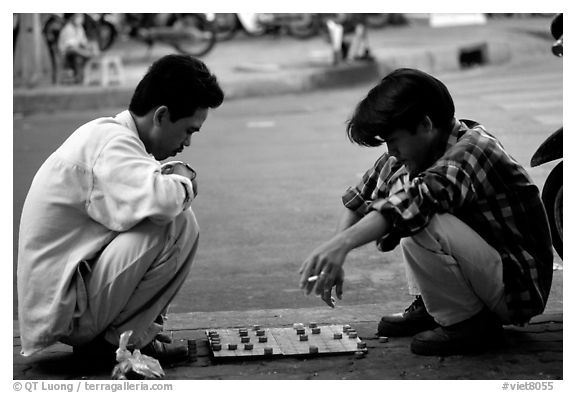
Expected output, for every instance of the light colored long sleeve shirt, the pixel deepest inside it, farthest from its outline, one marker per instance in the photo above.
(100, 182)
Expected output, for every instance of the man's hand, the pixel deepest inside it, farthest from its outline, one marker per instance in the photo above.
(182, 169)
(327, 260)
(322, 271)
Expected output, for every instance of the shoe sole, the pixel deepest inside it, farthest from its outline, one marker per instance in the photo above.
(391, 329)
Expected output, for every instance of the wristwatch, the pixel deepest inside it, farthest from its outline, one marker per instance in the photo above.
(193, 176)
(173, 163)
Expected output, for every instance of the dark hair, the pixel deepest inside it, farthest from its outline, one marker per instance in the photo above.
(401, 100)
(181, 83)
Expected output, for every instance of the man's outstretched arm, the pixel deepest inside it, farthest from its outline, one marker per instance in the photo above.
(327, 260)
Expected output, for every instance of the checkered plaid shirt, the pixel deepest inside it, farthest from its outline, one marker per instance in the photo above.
(478, 182)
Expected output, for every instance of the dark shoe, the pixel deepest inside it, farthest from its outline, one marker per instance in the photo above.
(97, 350)
(167, 353)
(481, 332)
(161, 348)
(414, 319)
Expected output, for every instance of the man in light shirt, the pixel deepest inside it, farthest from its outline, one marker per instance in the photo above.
(107, 234)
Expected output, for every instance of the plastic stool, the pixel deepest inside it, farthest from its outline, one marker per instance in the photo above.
(104, 71)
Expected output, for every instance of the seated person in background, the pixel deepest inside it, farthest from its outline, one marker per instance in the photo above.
(74, 45)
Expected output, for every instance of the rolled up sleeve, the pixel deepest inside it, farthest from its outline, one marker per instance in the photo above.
(445, 187)
(360, 197)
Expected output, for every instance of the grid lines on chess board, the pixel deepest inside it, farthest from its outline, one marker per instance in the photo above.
(285, 341)
(232, 336)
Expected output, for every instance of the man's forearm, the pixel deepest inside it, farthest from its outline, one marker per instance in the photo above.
(371, 227)
(348, 218)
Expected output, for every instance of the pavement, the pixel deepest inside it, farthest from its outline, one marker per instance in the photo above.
(250, 67)
(533, 352)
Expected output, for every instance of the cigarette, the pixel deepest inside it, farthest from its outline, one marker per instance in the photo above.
(312, 278)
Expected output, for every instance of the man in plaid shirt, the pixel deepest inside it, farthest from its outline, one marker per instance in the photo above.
(470, 222)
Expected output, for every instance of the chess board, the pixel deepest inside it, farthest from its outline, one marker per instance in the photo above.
(284, 341)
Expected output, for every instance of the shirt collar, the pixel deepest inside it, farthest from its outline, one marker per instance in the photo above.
(125, 118)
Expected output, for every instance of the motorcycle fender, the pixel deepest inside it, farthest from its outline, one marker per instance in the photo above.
(549, 150)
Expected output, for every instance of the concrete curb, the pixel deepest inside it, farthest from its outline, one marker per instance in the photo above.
(281, 81)
(28, 101)
(272, 317)
(360, 313)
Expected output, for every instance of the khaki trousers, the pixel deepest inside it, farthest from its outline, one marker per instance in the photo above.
(454, 270)
(134, 279)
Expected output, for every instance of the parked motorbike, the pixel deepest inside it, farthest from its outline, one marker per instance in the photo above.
(300, 25)
(551, 150)
(313, 24)
(191, 34)
(258, 24)
(226, 25)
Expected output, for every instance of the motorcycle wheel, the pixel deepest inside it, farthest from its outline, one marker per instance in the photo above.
(552, 198)
(51, 32)
(52, 27)
(106, 35)
(226, 26)
(202, 36)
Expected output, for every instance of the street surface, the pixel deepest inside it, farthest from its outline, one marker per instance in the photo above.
(271, 172)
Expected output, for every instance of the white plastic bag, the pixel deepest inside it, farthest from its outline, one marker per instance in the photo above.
(134, 365)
